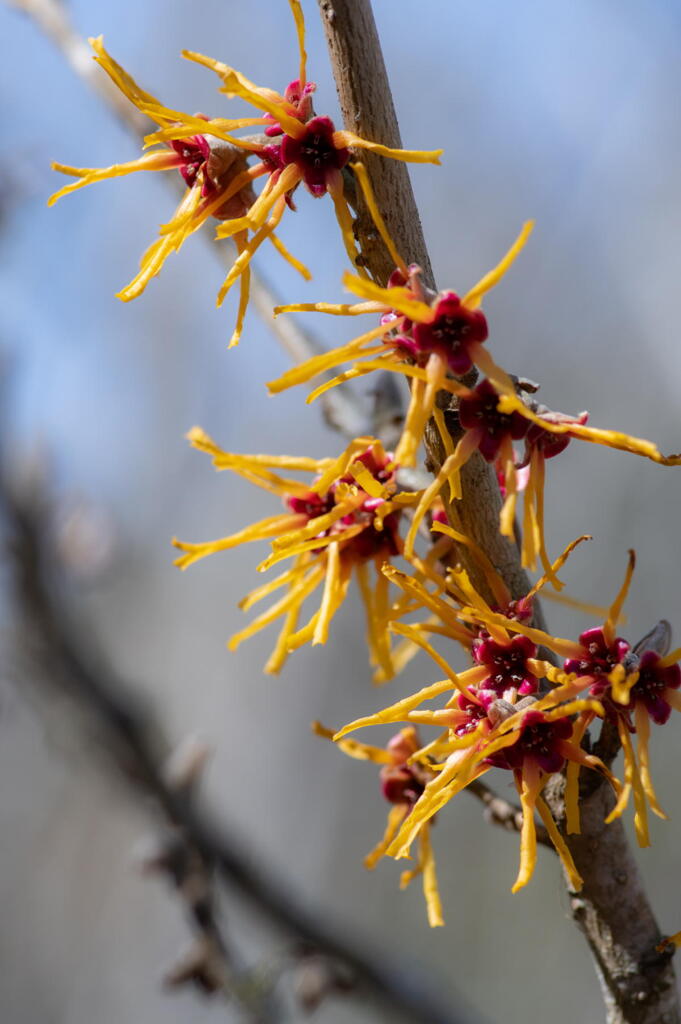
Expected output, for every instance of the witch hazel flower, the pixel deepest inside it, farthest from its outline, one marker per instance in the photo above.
(213, 166)
(510, 662)
(533, 737)
(304, 149)
(506, 662)
(563, 427)
(339, 524)
(490, 432)
(403, 779)
(642, 683)
(427, 337)
(294, 147)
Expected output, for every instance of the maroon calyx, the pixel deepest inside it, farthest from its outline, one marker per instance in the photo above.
(599, 658)
(478, 411)
(654, 679)
(371, 542)
(300, 103)
(194, 153)
(315, 154)
(450, 333)
(403, 783)
(539, 740)
(545, 442)
(507, 664)
(472, 715)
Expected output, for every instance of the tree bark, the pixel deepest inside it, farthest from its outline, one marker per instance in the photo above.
(612, 910)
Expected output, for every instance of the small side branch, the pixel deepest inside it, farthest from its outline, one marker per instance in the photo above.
(503, 813)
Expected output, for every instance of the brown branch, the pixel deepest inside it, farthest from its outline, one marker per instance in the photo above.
(612, 908)
(503, 813)
(367, 107)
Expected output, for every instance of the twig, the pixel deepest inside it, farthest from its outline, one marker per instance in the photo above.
(131, 739)
(612, 909)
(503, 813)
(138, 748)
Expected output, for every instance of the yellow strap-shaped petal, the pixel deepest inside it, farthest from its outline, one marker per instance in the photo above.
(399, 299)
(473, 298)
(343, 139)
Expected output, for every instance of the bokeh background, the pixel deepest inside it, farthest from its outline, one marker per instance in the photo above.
(566, 112)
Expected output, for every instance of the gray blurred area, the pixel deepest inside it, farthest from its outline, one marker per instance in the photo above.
(566, 112)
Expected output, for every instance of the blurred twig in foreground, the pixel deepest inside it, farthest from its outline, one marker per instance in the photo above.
(199, 847)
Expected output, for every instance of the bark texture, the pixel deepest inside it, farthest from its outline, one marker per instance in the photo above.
(612, 909)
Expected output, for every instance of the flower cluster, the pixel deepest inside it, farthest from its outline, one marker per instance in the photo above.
(342, 522)
(527, 698)
(294, 147)
(521, 714)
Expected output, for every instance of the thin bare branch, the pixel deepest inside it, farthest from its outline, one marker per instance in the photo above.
(503, 813)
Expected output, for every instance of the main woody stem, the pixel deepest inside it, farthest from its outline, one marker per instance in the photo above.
(612, 909)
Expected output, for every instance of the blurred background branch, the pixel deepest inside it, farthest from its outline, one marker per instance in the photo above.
(194, 848)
